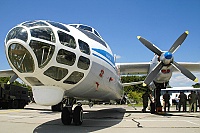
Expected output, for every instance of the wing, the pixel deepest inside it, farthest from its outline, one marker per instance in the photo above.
(133, 68)
(191, 66)
(7, 73)
(132, 83)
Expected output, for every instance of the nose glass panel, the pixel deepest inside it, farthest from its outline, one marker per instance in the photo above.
(74, 78)
(43, 52)
(66, 57)
(34, 23)
(20, 58)
(19, 33)
(43, 33)
(56, 73)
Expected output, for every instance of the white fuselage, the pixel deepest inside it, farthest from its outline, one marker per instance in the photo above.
(81, 67)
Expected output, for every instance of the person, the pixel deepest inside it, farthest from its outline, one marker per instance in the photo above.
(182, 101)
(176, 101)
(166, 98)
(152, 104)
(189, 100)
(192, 101)
(198, 99)
(145, 98)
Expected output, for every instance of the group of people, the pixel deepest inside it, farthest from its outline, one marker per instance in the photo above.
(181, 100)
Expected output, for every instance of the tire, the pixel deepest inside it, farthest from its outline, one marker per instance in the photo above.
(78, 115)
(66, 116)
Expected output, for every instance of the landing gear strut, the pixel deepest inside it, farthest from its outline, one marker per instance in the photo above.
(157, 94)
(68, 114)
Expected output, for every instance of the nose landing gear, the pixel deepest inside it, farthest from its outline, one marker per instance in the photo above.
(68, 114)
(78, 115)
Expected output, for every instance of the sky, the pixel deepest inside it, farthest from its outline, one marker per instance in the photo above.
(119, 22)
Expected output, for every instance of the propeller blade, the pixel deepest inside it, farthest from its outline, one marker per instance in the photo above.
(153, 74)
(12, 79)
(150, 46)
(184, 71)
(178, 42)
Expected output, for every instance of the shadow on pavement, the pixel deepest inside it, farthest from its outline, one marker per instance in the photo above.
(180, 114)
(92, 121)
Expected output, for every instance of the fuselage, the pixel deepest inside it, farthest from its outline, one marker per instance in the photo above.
(59, 60)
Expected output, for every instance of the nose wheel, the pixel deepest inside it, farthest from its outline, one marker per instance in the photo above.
(78, 115)
(67, 115)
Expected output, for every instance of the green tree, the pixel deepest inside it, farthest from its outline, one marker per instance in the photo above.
(197, 85)
(134, 92)
(6, 79)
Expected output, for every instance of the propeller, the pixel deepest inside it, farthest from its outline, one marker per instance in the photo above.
(166, 58)
(12, 79)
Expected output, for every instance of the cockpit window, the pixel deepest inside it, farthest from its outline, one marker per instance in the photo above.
(84, 47)
(58, 25)
(74, 78)
(87, 28)
(93, 37)
(20, 58)
(43, 33)
(96, 33)
(56, 73)
(19, 33)
(66, 57)
(67, 40)
(43, 52)
(34, 23)
(74, 25)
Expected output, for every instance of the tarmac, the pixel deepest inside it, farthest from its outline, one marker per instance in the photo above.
(98, 119)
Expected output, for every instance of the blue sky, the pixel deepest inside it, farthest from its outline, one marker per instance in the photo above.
(119, 22)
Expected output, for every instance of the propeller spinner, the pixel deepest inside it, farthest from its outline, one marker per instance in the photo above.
(166, 58)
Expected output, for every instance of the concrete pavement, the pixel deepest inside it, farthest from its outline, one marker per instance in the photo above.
(100, 118)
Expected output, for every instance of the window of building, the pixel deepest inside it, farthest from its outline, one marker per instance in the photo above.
(84, 47)
(43, 52)
(19, 33)
(83, 63)
(67, 40)
(74, 78)
(66, 57)
(43, 33)
(58, 25)
(56, 73)
(20, 58)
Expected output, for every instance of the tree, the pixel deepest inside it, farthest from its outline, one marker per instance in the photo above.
(6, 79)
(197, 85)
(134, 92)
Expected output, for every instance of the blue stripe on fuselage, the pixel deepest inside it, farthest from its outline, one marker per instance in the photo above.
(106, 55)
